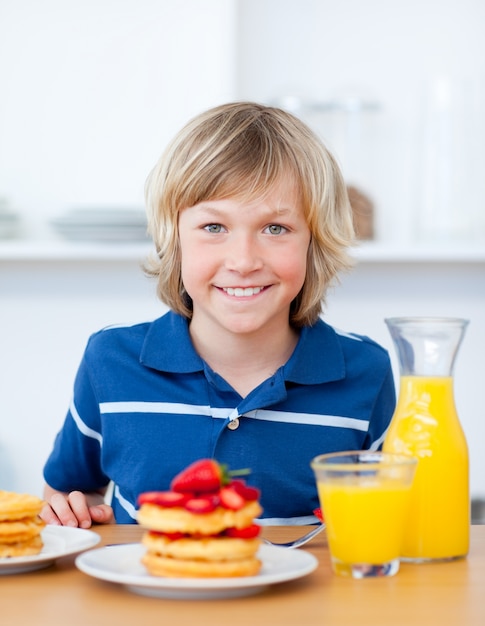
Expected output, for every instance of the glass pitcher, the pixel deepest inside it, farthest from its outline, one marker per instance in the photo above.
(426, 425)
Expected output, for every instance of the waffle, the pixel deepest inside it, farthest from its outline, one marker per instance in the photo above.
(20, 524)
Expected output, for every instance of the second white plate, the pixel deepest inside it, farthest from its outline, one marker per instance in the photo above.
(122, 564)
(58, 541)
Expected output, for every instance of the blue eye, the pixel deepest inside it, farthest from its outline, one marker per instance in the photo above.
(275, 229)
(213, 228)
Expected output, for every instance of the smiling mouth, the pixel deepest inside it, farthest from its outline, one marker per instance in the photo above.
(242, 292)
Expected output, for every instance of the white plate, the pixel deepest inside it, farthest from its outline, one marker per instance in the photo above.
(58, 541)
(103, 217)
(102, 225)
(122, 564)
(103, 233)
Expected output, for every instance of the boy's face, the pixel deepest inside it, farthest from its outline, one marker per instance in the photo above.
(243, 263)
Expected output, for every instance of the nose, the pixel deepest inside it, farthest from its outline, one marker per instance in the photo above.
(244, 254)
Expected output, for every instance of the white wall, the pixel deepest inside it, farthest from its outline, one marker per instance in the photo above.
(48, 310)
(91, 91)
(395, 52)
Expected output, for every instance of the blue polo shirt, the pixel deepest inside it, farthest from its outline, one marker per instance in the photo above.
(145, 405)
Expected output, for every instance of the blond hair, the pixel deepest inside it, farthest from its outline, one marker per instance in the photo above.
(242, 150)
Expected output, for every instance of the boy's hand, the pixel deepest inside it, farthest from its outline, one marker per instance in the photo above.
(75, 509)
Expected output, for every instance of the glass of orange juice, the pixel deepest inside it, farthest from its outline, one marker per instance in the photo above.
(364, 497)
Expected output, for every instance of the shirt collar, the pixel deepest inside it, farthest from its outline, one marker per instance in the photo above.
(317, 358)
(168, 348)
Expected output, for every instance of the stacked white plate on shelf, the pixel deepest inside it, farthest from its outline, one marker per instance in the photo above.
(102, 224)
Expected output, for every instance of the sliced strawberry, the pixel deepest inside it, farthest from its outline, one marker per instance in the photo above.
(201, 504)
(231, 499)
(164, 498)
(243, 533)
(172, 536)
(203, 535)
(201, 476)
(175, 536)
(247, 492)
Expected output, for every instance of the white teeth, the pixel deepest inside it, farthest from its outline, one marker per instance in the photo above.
(240, 292)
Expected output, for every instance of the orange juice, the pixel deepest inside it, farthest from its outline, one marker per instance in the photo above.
(365, 520)
(426, 425)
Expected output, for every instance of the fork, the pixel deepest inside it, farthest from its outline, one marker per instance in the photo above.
(300, 541)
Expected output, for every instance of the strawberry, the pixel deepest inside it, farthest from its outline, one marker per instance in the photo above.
(201, 476)
(243, 533)
(204, 476)
(247, 492)
(172, 536)
(163, 498)
(201, 504)
(231, 499)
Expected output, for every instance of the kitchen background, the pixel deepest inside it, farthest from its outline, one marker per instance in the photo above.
(91, 92)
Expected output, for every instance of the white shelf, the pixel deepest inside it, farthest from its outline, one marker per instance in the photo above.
(373, 252)
(366, 252)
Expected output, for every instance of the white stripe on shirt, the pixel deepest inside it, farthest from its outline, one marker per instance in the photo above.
(287, 417)
(84, 428)
(310, 419)
(129, 508)
(154, 407)
(378, 442)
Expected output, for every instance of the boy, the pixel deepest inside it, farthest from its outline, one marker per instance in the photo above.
(252, 223)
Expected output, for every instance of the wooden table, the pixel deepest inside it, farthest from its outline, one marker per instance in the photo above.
(441, 594)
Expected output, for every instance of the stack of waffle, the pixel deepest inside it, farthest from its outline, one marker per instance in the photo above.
(20, 524)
